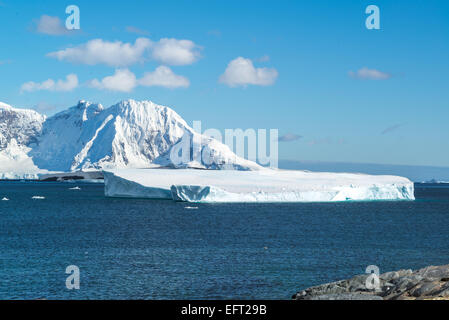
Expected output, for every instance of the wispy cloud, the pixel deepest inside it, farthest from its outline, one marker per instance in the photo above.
(70, 83)
(241, 72)
(392, 128)
(264, 58)
(215, 33)
(369, 74)
(132, 29)
(289, 137)
(51, 26)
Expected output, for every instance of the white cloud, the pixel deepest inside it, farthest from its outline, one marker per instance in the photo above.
(164, 77)
(175, 52)
(122, 54)
(51, 25)
(122, 80)
(98, 51)
(241, 72)
(125, 81)
(369, 74)
(69, 84)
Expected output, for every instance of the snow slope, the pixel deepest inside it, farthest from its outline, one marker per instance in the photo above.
(16, 164)
(18, 129)
(19, 124)
(130, 134)
(265, 185)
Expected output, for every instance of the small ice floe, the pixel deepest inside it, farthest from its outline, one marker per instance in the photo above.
(190, 208)
(5, 199)
(37, 198)
(75, 188)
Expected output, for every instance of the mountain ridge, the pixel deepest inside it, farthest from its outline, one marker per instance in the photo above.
(87, 136)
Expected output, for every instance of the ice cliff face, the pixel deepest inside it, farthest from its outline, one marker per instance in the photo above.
(130, 134)
(254, 186)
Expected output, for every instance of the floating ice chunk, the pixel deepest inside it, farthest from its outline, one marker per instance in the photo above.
(5, 199)
(75, 188)
(190, 208)
(254, 186)
(37, 198)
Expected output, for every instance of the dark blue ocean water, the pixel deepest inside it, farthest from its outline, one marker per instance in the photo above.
(143, 249)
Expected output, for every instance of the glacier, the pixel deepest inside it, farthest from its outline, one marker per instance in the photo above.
(266, 185)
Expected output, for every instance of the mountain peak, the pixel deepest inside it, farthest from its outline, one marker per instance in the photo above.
(83, 110)
(144, 109)
(5, 106)
(84, 104)
(19, 112)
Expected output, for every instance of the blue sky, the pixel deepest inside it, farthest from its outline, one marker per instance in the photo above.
(395, 111)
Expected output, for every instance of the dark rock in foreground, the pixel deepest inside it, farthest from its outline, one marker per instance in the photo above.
(430, 283)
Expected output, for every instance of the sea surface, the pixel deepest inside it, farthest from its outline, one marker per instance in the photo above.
(144, 249)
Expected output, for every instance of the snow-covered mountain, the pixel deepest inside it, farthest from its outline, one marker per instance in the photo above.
(130, 134)
(20, 125)
(18, 129)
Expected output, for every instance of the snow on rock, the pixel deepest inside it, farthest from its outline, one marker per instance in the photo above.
(64, 136)
(265, 185)
(20, 125)
(72, 176)
(88, 137)
(18, 128)
(130, 134)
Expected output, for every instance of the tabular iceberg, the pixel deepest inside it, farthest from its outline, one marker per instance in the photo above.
(265, 185)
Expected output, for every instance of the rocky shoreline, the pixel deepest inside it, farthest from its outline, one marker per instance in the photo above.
(430, 283)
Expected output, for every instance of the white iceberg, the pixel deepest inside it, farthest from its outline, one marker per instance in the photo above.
(266, 185)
